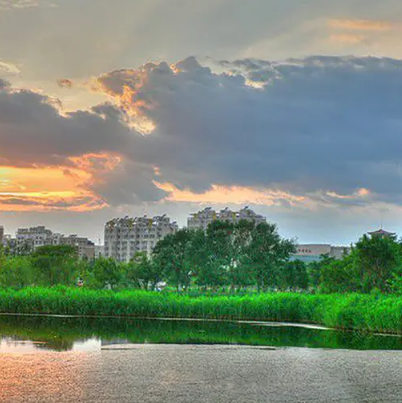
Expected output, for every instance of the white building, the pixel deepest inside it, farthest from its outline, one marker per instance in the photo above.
(203, 218)
(99, 251)
(124, 237)
(29, 239)
(313, 252)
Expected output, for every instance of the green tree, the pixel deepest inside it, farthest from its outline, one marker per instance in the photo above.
(267, 255)
(171, 255)
(16, 272)
(338, 276)
(220, 256)
(378, 258)
(143, 272)
(55, 264)
(105, 272)
(294, 275)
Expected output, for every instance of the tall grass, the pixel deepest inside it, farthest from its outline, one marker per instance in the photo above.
(376, 313)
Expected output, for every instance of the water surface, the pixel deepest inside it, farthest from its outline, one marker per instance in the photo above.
(27, 334)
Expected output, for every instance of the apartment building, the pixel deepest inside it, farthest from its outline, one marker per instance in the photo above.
(29, 239)
(99, 251)
(203, 218)
(124, 237)
(85, 248)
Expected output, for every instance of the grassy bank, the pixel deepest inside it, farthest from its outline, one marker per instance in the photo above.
(377, 313)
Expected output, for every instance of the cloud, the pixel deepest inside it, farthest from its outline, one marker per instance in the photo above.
(311, 125)
(8, 67)
(22, 4)
(48, 202)
(301, 132)
(362, 25)
(65, 83)
(233, 195)
(32, 130)
(347, 39)
(10, 4)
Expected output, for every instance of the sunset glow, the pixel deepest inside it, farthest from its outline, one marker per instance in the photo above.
(46, 188)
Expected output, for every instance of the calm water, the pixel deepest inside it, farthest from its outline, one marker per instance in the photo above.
(27, 334)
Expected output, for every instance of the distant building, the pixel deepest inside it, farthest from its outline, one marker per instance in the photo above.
(203, 218)
(1, 235)
(99, 251)
(10, 245)
(312, 252)
(124, 237)
(382, 234)
(85, 248)
(29, 239)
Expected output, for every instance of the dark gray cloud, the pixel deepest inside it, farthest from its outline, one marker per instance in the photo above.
(32, 131)
(321, 123)
(304, 125)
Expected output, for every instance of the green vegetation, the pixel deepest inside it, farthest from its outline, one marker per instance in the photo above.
(375, 313)
(233, 256)
(237, 258)
(239, 271)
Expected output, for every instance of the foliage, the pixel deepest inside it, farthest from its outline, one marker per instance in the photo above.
(143, 273)
(103, 273)
(376, 313)
(55, 265)
(241, 257)
(171, 253)
(16, 272)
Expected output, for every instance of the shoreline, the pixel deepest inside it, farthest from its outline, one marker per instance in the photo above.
(380, 314)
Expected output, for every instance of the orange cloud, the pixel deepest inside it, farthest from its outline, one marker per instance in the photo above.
(231, 195)
(359, 194)
(347, 39)
(65, 83)
(362, 25)
(55, 188)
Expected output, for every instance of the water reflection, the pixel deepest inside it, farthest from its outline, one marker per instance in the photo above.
(40, 333)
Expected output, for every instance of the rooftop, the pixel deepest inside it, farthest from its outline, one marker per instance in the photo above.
(381, 232)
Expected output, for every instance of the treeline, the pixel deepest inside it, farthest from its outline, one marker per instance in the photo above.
(230, 257)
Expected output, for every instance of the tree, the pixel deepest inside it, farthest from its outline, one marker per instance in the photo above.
(338, 276)
(55, 264)
(267, 253)
(378, 257)
(294, 275)
(16, 272)
(105, 272)
(144, 273)
(219, 256)
(171, 254)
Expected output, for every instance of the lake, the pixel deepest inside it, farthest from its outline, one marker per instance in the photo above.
(100, 360)
(27, 334)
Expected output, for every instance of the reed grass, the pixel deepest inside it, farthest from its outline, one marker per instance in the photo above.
(374, 313)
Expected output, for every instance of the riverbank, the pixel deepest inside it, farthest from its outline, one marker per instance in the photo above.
(374, 313)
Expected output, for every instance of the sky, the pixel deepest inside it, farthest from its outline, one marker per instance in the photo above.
(114, 108)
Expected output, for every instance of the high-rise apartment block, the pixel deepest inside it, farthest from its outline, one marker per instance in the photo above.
(124, 237)
(203, 218)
